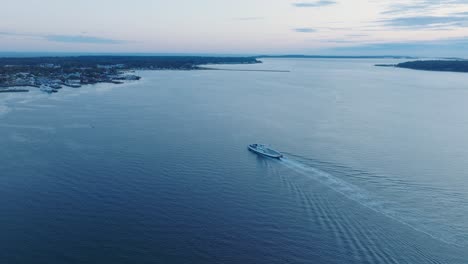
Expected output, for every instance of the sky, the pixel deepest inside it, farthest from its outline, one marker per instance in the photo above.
(319, 27)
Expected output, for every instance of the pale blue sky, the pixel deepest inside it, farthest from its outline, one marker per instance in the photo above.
(367, 27)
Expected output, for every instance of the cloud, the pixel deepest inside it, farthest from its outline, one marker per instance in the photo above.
(314, 4)
(425, 15)
(65, 38)
(305, 30)
(81, 39)
(421, 6)
(427, 21)
(404, 8)
(440, 48)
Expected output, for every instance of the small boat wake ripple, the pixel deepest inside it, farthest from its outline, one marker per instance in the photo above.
(362, 197)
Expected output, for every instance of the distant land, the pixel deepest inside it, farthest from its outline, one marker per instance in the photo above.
(334, 57)
(251, 55)
(432, 65)
(51, 73)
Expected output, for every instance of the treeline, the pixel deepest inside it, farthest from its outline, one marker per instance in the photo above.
(169, 62)
(436, 65)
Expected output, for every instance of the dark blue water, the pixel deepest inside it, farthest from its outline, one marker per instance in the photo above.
(157, 171)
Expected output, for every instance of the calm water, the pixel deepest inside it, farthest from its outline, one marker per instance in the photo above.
(157, 171)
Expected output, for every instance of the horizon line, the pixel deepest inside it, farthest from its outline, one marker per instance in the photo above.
(18, 54)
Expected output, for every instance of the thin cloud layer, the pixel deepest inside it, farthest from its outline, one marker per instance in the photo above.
(81, 39)
(427, 21)
(449, 47)
(426, 14)
(314, 4)
(305, 30)
(420, 6)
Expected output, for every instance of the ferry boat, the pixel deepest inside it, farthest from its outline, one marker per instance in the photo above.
(265, 151)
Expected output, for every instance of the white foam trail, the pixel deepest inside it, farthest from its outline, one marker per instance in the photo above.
(360, 196)
(347, 189)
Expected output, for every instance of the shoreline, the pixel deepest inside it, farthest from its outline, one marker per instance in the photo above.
(454, 66)
(50, 74)
(8, 90)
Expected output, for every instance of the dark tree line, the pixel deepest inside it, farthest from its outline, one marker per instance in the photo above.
(437, 65)
(129, 62)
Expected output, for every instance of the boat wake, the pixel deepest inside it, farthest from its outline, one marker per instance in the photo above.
(366, 199)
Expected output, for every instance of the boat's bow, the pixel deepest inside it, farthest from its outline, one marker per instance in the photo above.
(265, 151)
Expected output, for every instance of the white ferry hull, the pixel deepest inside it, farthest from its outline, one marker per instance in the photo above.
(267, 152)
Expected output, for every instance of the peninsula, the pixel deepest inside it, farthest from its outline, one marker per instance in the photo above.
(51, 73)
(432, 65)
(436, 65)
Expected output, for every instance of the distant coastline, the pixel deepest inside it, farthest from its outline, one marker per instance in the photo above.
(50, 74)
(432, 65)
(333, 57)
